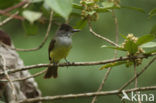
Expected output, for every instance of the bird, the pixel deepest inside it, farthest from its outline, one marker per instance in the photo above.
(59, 48)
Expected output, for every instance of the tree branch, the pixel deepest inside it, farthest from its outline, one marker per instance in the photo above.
(138, 74)
(25, 78)
(8, 19)
(13, 15)
(8, 78)
(14, 7)
(77, 63)
(42, 43)
(115, 54)
(101, 37)
(102, 93)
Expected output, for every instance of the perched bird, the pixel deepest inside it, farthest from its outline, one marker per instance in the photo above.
(59, 48)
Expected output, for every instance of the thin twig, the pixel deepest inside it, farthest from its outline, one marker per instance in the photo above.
(116, 27)
(115, 54)
(102, 93)
(14, 7)
(116, 39)
(102, 84)
(25, 78)
(135, 74)
(116, 30)
(42, 43)
(13, 15)
(101, 37)
(8, 19)
(75, 63)
(136, 80)
(138, 74)
(7, 77)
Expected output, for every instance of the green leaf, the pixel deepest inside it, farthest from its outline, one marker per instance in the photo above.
(123, 36)
(77, 6)
(113, 47)
(152, 12)
(149, 45)
(131, 47)
(144, 39)
(31, 16)
(107, 4)
(107, 7)
(134, 8)
(30, 29)
(103, 10)
(113, 64)
(62, 7)
(153, 30)
(81, 24)
(150, 52)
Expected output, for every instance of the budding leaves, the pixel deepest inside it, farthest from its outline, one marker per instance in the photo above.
(132, 47)
(62, 7)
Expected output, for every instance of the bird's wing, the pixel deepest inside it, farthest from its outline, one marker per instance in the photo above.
(51, 47)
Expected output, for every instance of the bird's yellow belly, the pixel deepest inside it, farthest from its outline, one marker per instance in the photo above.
(59, 53)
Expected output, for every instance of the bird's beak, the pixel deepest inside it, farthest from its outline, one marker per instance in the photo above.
(75, 30)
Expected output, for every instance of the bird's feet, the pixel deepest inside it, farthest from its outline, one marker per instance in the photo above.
(54, 63)
(67, 62)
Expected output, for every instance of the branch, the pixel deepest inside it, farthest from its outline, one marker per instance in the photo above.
(8, 19)
(101, 37)
(8, 78)
(102, 84)
(13, 15)
(115, 54)
(25, 78)
(135, 74)
(14, 7)
(42, 43)
(138, 74)
(76, 63)
(102, 93)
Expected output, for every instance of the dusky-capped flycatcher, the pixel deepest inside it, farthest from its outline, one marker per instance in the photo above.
(59, 48)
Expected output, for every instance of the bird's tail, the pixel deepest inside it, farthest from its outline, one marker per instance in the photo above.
(51, 72)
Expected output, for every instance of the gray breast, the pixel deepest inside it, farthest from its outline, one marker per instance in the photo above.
(63, 41)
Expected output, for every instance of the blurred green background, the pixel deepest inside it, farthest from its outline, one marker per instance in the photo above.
(87, 47)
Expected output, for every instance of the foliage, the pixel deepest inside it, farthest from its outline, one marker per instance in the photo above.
(78, 13)
(134, 46)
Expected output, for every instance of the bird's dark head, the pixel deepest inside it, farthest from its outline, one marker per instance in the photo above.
(4, 38)
(66, 30)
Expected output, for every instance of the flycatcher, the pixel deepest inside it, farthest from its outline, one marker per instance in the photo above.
(59, 48)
